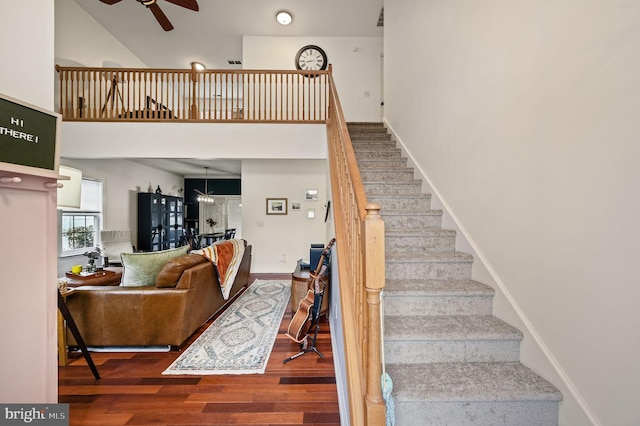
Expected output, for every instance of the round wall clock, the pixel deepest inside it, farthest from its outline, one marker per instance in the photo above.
(311, 58)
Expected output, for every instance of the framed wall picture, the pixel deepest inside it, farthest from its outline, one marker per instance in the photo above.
(311, 195)
(276, 206)
(295, 206)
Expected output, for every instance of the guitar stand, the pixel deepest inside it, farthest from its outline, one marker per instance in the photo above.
(315, 325)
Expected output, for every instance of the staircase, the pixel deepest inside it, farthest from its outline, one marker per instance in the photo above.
(451, 361)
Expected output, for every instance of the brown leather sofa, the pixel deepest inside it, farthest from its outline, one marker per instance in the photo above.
(152, 315)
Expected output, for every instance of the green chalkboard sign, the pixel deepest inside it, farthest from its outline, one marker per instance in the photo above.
(28, 134)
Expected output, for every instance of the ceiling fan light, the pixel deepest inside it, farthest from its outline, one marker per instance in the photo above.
(283, 17)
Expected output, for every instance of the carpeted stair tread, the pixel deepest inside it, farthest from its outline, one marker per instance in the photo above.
(388, 212)
(428, 257)
(386, 196)
(377, 163)
(437, 288)
(448, 327)
(404, 232)
(481, 381)
(386, 175)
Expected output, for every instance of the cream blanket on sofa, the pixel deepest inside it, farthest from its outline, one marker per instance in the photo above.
(226, 256)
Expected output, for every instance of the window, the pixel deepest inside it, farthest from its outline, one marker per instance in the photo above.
(80, 229)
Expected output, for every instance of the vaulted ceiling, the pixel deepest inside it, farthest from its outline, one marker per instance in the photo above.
(213, 36)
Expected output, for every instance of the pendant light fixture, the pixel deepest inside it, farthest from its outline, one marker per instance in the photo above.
(205, 197)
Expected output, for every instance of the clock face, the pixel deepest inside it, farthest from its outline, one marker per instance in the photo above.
(311, 58)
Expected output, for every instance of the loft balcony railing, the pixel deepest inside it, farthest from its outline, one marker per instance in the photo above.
(137, 94)
(114, 94)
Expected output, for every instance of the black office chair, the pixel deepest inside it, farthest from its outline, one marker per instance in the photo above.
(229, 233)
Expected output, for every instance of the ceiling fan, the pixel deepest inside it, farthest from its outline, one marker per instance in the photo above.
(158, 13)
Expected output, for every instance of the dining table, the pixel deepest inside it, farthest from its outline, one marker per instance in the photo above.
(209, 239)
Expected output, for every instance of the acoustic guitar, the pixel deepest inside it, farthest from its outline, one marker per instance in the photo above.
(309, 307)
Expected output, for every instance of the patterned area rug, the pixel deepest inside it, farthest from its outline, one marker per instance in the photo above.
(241, 339)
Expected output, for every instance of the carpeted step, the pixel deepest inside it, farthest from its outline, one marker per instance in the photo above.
(437, 297)
(373, 145)
(450, 338)
(424, 265)
(366, 127)
(404, 174)
(353, 125)
(418, 201)
(411, 219)
(486, 393)
(367, 152)
(382, 187)
(418, 239)
(370, 136)
(381, 163)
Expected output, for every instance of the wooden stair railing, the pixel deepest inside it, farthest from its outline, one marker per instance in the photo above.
(361, 271)
(188, 95)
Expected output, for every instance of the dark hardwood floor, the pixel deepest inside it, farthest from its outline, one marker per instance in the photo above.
(133, 391)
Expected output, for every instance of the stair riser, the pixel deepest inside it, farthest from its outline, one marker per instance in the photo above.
(431, 221)
(381, 146)
(463, 413)
(377, 164)
(416, 204)
(383, 140)
(392, 188)
(367, 131)
(426, 351)
(427, 270)
(418, 243)
(375, 153)
(386, 175)
(424, 305)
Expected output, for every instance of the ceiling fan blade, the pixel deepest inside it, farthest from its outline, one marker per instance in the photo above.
(110, 1)
(160, 17)
(189, 4)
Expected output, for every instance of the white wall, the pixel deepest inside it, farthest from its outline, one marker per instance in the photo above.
(280, 240)
(28, 310)
(81, 39)
(193, 140)
(523, 116)
(356, 67)
(122, 180)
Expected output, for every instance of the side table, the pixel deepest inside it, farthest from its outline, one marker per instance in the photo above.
(301, 282)
(108, 276)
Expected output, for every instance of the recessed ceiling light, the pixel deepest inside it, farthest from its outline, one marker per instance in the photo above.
(198, 66)
(283, 17)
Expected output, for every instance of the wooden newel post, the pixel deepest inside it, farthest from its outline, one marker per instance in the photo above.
(374, 283)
